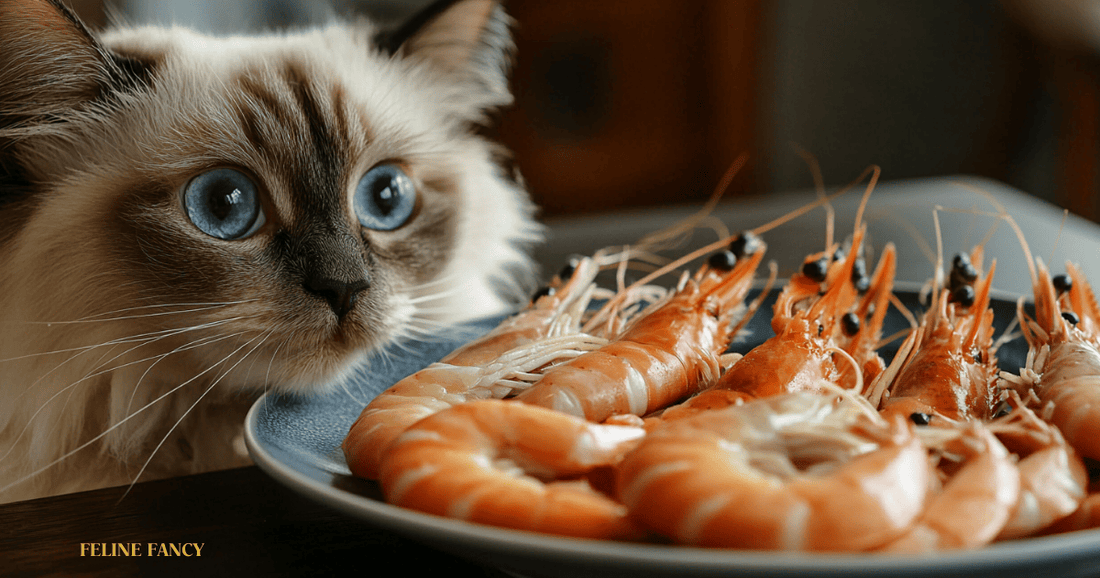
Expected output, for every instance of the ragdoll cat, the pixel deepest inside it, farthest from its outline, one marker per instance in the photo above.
(187, 220)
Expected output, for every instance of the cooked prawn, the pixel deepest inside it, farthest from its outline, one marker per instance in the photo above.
(1063, 362)
(798, 471)
(665, 355)
(1053, 479)
(512, 465)
(1085, 517)
(811, 326)
(977, 499)
(947, 367)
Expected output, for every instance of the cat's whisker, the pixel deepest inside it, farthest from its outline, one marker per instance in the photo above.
(141, 343)
(161, 357)
(150, 336)
(117, 425)
(261, 339)
(101, 317)
(71, 386)
(274, 355)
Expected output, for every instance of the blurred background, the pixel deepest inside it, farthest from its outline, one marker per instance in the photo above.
(624, 103)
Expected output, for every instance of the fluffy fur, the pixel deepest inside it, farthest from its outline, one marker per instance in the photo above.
(133, 342)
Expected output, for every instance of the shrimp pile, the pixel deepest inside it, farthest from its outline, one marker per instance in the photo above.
(635, 413)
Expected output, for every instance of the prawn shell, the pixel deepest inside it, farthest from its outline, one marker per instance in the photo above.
(1071, 382)
(665, 356)
(972, 508)
(695, 485)
(1053, 485)
(486, 462)
(421, 394)
(788, 362)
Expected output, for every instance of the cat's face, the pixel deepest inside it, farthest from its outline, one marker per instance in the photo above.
(276, 207)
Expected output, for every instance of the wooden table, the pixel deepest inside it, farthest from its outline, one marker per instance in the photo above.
(247, 524)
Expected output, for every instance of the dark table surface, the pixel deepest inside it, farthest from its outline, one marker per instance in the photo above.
(246, 524)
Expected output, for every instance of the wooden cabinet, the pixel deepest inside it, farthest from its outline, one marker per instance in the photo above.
(629, 102)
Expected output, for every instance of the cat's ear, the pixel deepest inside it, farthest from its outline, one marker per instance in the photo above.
(49, 62)
(468, 39)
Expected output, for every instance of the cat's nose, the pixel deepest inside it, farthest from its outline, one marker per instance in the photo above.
(340, 294)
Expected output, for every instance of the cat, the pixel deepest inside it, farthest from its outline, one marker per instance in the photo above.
(187, 221)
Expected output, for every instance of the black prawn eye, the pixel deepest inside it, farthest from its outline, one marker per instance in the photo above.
(963, 295)
(747, 243)
(816, 270)
(223, 203)
(570, 267)
(541, 292)
(850, 323)
(722, 261)
(963, 271)
(859, 276)
(1062, 283)
(385, 198)
(920, 418)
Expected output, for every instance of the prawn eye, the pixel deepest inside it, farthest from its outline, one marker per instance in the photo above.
(384, 199)
(963, 295)
(1071, 317)
(541, 292)
(961, 261)
(859, 276)
(920, 418)
(722, 261)
(1062, 283)
(747, 243)
(962, 271)
(1002, 410)
(850, 323)
(569, 268)
(816, 270)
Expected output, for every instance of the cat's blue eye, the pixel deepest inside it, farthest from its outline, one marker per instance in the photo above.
(223, 203)
(385, 198)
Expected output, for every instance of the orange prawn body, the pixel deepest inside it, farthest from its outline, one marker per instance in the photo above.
(509, 464)
(664, 356)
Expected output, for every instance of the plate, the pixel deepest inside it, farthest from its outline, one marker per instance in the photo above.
(297, 441)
